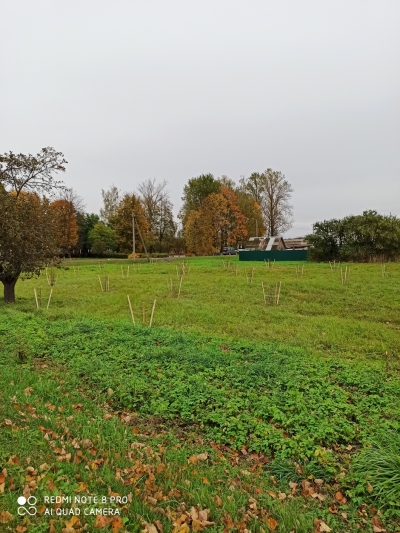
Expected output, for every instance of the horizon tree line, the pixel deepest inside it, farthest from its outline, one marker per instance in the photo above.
(42, 220)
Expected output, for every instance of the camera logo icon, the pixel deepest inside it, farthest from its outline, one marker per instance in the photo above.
(31, 509)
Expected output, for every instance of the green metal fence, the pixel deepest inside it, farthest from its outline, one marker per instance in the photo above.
(277, 255)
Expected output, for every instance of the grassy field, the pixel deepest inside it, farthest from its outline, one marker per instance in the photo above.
(229, 414)
(315, 312)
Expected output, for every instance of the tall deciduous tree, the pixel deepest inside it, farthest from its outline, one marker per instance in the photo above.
(102, 238)
(158, 208)
(206, 227)
(27, 240)
(29, 173)
(122, 223)
(111, 200)
(86, 222)
(272, 192)
(236, 230)
(65, 209)
(195, 192)
(275, 206)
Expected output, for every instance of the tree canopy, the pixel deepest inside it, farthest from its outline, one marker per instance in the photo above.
(28, 239)
(366, 237)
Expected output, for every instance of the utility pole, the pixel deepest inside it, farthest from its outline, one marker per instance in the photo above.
(133, 237)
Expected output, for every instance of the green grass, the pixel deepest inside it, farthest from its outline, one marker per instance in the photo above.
(316, 312)
(300, 391)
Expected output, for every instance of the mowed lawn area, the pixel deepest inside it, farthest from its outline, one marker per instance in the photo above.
(231, 413)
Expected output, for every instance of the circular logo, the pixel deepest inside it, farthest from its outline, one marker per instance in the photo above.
(31, 501)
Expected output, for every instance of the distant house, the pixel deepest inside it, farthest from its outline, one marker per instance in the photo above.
(298, 243)
(276, 243)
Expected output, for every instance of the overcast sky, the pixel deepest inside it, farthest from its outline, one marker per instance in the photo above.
(130, 90)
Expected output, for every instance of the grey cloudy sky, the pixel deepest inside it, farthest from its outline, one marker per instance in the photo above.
(170, 89)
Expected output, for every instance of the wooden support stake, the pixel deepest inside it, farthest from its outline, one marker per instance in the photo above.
(48, 302)
(180, 285)
(279, 293)
(265, 300)
(341, 274)
(127, 272)
(36, 298)
(302, 270)
(130, 307)
(101, 285)
(144, 314)
(40, 296)
(152, 313)
(276, 291)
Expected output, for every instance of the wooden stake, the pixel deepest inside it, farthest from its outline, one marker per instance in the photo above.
(279, 293)
(180, 285)
(127, 272)
(48, 302)
(341, 274)
(130, 307)
(265, 300)
(101, 285)
(276, 291)
(40, 296)
(144, 314)
(152, 313)
(36, 298)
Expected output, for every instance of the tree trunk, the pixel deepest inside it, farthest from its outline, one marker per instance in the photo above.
(9, 289)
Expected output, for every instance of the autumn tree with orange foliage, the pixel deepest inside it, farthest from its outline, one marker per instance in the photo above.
(236, 230)
(217, 223)
(27, 243)
(66, 225)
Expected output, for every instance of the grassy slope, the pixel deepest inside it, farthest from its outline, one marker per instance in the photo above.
(312, 402)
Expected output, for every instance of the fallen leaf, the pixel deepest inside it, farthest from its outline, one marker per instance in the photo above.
(377, 526)
(20, 529)
(117, 524)
(107, 416)
(205, 481)
(159, 526)
(219, 501)
(202, 457)
(339, 496)
(73, 522)
(101, 521)
(5, 517)
(246, 472)
(229, 522)
(370, 488)
(281, 496)
(324, 528)
(193, 459)
(272, 523)
(52, 528)
(196, 525)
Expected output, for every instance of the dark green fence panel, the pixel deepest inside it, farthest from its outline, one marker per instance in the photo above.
(277, 255)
